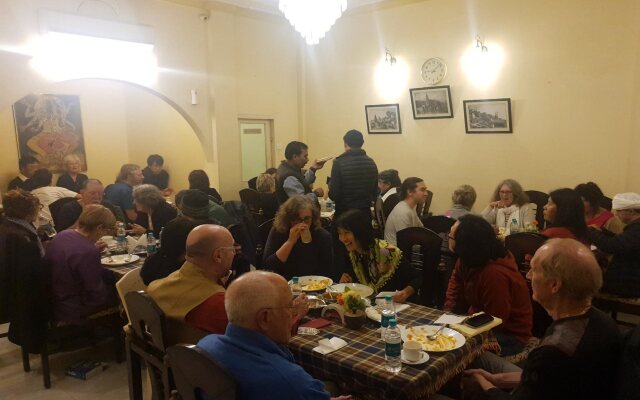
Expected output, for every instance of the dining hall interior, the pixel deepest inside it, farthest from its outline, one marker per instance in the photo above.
(522, 95)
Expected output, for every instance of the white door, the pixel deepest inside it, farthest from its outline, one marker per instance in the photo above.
(256, 147)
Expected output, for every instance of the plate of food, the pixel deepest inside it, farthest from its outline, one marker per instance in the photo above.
(447, 339)
(363, 290)
(314, 283)
(116, 261)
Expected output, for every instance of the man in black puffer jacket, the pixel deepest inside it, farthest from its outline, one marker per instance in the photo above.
(354, 176)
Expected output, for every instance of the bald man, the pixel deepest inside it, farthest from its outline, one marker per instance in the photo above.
(578, 356)
(195, 293)
(253, 349)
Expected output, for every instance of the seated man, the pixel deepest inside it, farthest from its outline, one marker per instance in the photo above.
(253, 349)
(412, 192)
(155, 175)
(195, 293)
(121, 192)
(92, 192)
(28, 165)
(578, 356)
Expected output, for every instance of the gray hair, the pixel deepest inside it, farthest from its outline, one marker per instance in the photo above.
(465, 195)
(250, 293)
(147, 195)
(266, 183)
(519, 196)
(70, 158)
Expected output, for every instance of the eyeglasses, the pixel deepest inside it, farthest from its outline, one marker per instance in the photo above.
(505, 192)
(236, 248)
(306, 220)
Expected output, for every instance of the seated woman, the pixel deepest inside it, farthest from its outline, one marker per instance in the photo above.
(622, 276)
(388, 183)
(564, 215)
(153, 210)
(199, 180)
(486, 278)
(577, 359)
(463, 199)
(375, 262)
(21, 270)
(508, 203)
(266, 187)
(594, 214)
(72, 179)
(286, 253)
(81, 286)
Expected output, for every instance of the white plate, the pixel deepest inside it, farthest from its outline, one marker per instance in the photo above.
(424, 357)
(373, 314)
(304, 281)
(419, 333)
(363, 290)
(121, 259)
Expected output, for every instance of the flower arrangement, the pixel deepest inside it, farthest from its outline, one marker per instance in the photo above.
(351, 301)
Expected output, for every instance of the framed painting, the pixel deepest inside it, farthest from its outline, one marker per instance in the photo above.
(487, 116)
(431, 102)
(383, 118)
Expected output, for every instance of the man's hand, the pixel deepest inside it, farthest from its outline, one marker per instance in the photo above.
(317, 165)
(487, 380)
(137, 229)
(345, 278)
(319, 192)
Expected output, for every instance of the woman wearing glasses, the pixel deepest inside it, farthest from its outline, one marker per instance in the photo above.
(297, 244)
(508, 203)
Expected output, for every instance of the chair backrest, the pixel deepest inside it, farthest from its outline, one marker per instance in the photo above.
(539, 199)
(381, 219)
(251, 199)
(197, 375)
(264, 229)
(389, 204)
(130, 282)
(629, 369)
(606, 203)
(148, 322)
(56, 207)
(421, 248)
(251, 183)
(438, 223)
(423, 208)
(523, 246)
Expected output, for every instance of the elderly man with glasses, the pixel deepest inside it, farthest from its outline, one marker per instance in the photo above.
(253, 349)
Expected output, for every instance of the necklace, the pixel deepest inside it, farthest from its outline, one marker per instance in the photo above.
(574, 314)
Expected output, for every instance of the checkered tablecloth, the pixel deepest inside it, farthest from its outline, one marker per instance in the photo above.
(360, 365)
(121, 270)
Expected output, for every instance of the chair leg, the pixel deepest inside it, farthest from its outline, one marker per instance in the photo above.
(46, 373)
(119, 343)
(133, 373)
(25, 360)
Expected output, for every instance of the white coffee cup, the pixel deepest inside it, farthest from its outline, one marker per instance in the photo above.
(412, 350)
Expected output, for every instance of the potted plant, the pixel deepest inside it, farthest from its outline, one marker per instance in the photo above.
(354, 306)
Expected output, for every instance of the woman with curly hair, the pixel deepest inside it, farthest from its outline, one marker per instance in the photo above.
(375, 262)
(508, 203)
(286, 253)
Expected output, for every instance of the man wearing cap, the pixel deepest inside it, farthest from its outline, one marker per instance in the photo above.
(354, 176)
(622, 276)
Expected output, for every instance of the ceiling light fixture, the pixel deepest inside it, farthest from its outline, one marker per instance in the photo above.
(312, 18)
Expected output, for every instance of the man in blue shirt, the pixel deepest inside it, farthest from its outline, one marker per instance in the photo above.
(121, 193)
(253, 349)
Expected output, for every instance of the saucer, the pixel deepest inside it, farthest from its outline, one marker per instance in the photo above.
(424, 357)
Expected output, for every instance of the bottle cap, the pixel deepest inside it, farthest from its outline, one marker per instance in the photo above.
(295, 279)
(388, 297)
(393, 323)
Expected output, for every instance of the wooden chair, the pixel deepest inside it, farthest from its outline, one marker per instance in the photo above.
(615, 304)
(421, 249)
(130, 282)
(389, 204)
(438, 223)
(56, 207)
(198, 375)
(539, 199)
(264, 229)
(523, 246)
(251, 199)
(146, 339)
(379, 217)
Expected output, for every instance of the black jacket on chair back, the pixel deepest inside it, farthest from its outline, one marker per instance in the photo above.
(354, 180)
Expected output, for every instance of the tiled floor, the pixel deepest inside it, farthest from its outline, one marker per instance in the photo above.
(17, 384)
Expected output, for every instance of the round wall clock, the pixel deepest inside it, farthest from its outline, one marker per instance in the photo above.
(433, 70)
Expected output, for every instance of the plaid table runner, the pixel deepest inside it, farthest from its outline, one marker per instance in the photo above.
(359, 366)
(121, 270)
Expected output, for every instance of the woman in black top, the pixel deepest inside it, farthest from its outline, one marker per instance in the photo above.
(199, 180)
(286, 253)
(153, 211)
(72, 179)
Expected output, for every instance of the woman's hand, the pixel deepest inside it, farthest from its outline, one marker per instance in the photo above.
(301, 304)
(101, 245)
(137, 229)
(497, 204)
(296, 231)
(487, 380)
(346, 278)
(401, 296)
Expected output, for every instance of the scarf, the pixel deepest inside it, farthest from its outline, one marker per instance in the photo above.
(381, 262)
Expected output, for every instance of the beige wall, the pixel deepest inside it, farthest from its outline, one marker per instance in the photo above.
(571, 72)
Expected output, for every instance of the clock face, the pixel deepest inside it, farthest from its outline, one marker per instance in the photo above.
(433, 71)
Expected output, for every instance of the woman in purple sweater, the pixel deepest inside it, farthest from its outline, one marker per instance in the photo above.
(80, 285)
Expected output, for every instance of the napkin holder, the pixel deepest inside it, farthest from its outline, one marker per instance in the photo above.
(334, 307)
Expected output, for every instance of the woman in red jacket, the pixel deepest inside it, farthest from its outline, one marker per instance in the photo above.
(486, 278)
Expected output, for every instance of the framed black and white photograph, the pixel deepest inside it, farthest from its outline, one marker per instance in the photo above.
(383, 118)
(487, 116)
(431, 102)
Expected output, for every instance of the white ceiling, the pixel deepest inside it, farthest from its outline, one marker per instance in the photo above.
(271, 6)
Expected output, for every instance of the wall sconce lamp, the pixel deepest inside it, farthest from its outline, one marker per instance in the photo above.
(480, 45)
(389, 58)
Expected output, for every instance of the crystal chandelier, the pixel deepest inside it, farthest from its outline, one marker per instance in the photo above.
(312, 18)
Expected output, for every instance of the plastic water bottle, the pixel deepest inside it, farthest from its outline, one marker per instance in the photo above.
(151, 244)
(294, 284)
(515, 228)
(388, 313)
(392, 347)
(330, 206)
(121, 237)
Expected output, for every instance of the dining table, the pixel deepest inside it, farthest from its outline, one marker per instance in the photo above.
(121, 270)
(359, 367)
